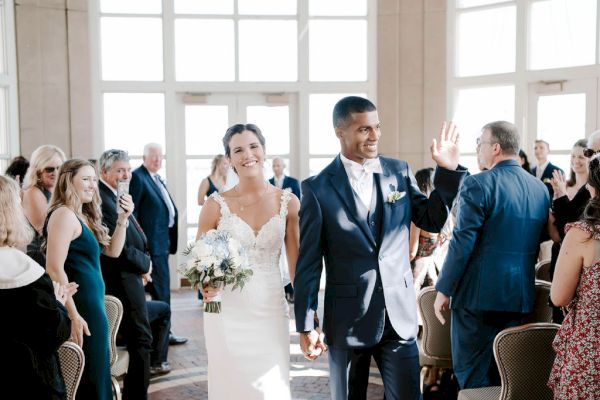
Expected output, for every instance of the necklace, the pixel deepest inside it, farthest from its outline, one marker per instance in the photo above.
(244, 206)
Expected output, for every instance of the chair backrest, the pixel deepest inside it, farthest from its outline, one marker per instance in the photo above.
(436, 337)
(542, 271)
(524, 356)
(114, 313)
(542, 312)
(72, 361)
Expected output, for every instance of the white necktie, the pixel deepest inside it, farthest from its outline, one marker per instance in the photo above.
(166, 198)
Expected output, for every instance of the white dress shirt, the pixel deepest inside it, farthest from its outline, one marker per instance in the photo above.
(361, 177)
(279, 181)
(540, 169)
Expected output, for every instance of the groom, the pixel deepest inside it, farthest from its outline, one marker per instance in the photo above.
(356, 215)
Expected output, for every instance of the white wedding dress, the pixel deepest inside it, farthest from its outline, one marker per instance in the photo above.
(248, 343)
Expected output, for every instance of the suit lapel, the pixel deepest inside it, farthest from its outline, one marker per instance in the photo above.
(388, 183)
(341, 184)
(154, 185)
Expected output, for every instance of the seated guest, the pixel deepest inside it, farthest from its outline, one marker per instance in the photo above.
(75, 238)
(123, 275)
(35, 322)
(423, 243)
(38, 186)
(570, 199)
(17, 169)
(576, 286)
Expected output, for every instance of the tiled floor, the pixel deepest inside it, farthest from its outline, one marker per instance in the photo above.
(310, 380)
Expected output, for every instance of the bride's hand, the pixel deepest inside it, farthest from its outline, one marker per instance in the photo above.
(209, 292)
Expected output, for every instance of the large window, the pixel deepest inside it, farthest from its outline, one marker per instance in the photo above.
(9, 129)
(532, 62)
(180, 72)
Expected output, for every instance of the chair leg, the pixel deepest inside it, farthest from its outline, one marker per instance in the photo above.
(116, 388)
(424, 373)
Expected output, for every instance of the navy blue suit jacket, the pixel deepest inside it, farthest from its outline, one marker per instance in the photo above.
(289, 182)
(364, 278)
(495, 243)
(152, 213)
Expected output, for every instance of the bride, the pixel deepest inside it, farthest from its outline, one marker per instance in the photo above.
(248, 342)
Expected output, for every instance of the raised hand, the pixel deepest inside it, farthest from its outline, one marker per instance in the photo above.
(126, 203)
(559, 183)
(445, 151)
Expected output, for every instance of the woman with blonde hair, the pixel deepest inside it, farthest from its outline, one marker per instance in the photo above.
(75, 237)
(31, 306)
(215, 182)
(38, 186)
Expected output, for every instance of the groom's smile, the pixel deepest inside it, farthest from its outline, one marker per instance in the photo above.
(359, 136)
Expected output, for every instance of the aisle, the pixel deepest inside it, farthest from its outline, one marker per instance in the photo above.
(187, 380)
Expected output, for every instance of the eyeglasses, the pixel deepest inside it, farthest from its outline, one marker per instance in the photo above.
(590, 152)
(50, 170)
(480, 142)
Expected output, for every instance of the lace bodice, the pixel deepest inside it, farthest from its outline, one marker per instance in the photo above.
(263, 246)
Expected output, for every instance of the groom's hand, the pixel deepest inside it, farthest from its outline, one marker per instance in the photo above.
(445, 151)
(312, 344)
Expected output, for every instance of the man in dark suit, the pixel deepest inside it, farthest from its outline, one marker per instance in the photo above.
(489, 270)
(356, 214)
(123, 276)
(544, 168)
(157, 214)
(282, 181)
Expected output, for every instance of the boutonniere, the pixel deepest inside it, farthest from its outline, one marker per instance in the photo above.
(395, 196)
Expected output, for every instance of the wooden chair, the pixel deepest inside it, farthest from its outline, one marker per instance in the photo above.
(119, 358)
(542, 271)
(435, 350)
(72, 361)
(524, 356)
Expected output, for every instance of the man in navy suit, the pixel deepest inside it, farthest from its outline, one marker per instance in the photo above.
(544, 169)
(123, 276)
(282, 181)
(489, 271)
(356, 215)
(157, 214)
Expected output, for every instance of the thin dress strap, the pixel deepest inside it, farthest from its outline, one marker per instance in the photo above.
(219, 199)
(285, 199)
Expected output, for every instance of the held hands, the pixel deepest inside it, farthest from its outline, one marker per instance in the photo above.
(126, 204)
(559, 183)
(445, 152)
(63, 292)
(78, 328)
(442, 303)
(312, 344)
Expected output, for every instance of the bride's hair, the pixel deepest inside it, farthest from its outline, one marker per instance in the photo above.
(237, 129)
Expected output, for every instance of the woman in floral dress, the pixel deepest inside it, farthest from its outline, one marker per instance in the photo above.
(576, 286)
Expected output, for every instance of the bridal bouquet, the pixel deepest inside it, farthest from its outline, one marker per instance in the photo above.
(217, 260)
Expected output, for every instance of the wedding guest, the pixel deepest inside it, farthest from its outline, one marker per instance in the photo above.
(423, 243)
(75, 238)
(492, 251)
(524, 161)
(38, 186)
(216, 180)
(544, 168)
(576, 286)
(570, 199)
(17, 169)
(35, 322)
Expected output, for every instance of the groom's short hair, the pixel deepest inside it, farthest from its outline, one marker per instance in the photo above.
(349, 105)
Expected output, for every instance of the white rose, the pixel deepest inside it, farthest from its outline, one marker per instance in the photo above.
(201, 249)
(206, 280)
(218, 272)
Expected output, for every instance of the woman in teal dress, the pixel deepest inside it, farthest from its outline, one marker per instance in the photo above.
(75, 237)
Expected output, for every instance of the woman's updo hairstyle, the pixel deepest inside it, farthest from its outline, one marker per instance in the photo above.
(237, 129)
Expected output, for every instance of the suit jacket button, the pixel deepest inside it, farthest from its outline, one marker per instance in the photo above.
(380, 257)
(379, 289)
